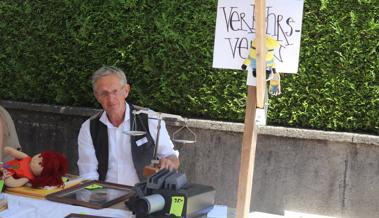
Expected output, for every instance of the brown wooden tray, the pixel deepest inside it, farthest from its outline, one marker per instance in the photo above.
(105, 195)
(76, 215)
(28, 191)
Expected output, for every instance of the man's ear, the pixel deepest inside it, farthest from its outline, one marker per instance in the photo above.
(97, 98)
(127, 90)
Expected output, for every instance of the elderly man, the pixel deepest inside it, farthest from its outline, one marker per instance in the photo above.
(106, 151)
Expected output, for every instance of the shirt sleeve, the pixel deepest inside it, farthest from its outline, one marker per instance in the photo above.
(87, 162)
(165, 145)
(9, 133)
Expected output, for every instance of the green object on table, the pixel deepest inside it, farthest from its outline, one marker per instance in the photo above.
(94, 186)
(1, 185)
(65, 179)
(177, 205)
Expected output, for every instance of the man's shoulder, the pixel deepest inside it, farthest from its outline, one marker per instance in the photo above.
(96, 116)
(138, 108)
(142, 112)
(86, 124)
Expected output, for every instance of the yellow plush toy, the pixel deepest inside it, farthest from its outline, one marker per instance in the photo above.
(270, 45)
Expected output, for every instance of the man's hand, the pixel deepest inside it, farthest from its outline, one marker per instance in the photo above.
(170, 163)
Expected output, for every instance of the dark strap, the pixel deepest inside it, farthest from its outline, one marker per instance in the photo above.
(99, 134)
(142, 154)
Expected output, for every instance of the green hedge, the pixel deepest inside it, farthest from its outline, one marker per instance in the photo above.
(50, 48)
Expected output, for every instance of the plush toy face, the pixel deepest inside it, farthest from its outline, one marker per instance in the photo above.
(270, 45)
(36, 164)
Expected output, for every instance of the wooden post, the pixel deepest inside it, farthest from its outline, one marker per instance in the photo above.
(249, 143)
(255, 98)
(260, 37)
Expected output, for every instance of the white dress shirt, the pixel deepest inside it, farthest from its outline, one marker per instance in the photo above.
(121, 168)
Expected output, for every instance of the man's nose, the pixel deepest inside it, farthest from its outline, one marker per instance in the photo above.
(112, 97)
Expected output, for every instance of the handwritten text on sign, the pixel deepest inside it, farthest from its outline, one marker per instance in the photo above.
(235, 28)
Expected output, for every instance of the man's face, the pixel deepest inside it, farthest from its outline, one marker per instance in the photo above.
(111, 94)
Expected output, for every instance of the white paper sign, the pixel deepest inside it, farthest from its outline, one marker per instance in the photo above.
(235, 28)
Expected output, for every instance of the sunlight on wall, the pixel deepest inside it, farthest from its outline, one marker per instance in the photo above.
(291, 214)
(287, 214)
(263, 215)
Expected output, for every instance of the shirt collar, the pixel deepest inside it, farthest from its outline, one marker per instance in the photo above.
(104, 118)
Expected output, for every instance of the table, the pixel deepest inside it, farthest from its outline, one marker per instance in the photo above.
(21, 207)
(231, 212)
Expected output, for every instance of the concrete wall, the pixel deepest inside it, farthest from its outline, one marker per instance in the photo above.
(325, 173)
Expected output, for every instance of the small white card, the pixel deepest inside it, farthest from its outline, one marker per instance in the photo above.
(260, 116)
(141, 141)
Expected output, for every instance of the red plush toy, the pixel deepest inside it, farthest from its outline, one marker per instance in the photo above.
(43, 169)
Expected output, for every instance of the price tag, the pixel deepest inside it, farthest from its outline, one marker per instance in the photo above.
(177, 205)
(65, 179)
(94, 186)
(1, 185)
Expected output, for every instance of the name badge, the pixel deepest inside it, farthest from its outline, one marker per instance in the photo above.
(141, 141)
